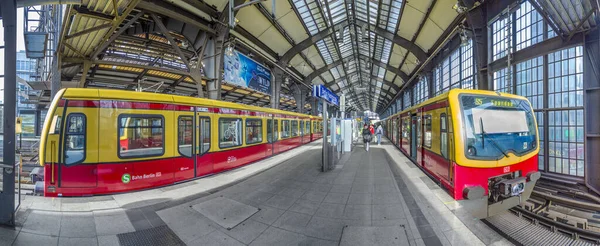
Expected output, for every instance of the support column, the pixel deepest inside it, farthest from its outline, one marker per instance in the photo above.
(7, 196)
(477, 20)
(591, 86)
(314, 106)
(430, 84)
(300, 97)
(56, 84)
(276, 80)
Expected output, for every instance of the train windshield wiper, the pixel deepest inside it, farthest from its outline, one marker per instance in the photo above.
(483, 134)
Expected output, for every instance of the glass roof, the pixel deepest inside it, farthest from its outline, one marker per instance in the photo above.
(356, 44)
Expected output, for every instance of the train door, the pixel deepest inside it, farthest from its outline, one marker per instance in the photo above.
(398, 131)
(270, 136)
(420, 134)
(185, 166)
(204, 163)
(78, 148)
(445, 143)
(301, 126)
(413, 137)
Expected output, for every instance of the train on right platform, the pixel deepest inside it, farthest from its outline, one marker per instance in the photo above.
(480, 146)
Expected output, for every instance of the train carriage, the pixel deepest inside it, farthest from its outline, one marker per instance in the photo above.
(106, 141)
(481, 146)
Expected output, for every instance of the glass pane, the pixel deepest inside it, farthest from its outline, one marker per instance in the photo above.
(205, 134)
(184, 135)
(253, 131)
(230, 132)
(270, 131)
(140, 136)
(75, 139)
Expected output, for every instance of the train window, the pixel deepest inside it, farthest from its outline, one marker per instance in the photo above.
(314, 126)
(184, 135)
(56, 124)
(141, 136)
(276, 131)
(294, 128)
(301, 128)
(307, 129)
(253, 131)
(75, 139)
(230, 132)
(270, 131)
(419, 132)
(204, 134)
(428, 131)
(443, 136)
(285, 129)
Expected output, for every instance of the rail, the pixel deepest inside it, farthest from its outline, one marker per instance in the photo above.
(549, 219)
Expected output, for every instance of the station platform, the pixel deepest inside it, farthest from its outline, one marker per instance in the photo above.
(371, 198)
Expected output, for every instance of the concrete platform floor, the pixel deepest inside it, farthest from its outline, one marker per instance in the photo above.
(373, 197)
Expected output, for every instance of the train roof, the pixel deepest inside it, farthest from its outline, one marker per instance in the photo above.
(456, 92)
(97, 94)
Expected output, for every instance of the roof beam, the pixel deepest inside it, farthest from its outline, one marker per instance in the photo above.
(308, 79)
(124, 64)
(202, 6)
(174, 45)
(89, 30)
(385, 82)
(166, 9)
(400, 41)
(244, 33)
(114, 36)
(83, 10)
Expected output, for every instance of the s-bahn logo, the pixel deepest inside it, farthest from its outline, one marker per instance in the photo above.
(126, 178)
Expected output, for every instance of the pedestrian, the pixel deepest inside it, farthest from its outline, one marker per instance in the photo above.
(367, 136)
(379, 132)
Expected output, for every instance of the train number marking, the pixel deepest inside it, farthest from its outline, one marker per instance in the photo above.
(507, 169)
(231, 159)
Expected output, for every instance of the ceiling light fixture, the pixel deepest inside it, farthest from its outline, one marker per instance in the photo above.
(459, 8)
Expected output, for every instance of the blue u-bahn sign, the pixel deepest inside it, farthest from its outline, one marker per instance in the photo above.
(320, 91)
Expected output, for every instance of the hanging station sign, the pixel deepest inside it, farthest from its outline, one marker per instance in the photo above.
(320, 91)
(242, 71)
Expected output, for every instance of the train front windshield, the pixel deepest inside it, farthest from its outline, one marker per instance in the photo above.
(495, 126)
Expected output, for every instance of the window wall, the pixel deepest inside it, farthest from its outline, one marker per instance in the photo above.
(455, 71)
(565, 120)
(553, 83)
(421, 90)
(406, 102)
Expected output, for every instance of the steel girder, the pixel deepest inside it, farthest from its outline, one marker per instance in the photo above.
(400, 41)
(309, 78)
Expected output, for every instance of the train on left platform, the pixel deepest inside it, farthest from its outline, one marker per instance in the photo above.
(480, 146)
(97, 141)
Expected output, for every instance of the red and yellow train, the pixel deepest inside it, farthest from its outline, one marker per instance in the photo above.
(481, 146)
(98, 141)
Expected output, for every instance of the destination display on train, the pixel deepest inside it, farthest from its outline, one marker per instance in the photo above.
(242, 71)
(505, 103)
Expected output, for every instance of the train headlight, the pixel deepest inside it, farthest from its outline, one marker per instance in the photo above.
(471, 151)
(511, 187)
(518, 189)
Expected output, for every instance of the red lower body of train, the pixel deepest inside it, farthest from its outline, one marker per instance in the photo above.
(458, 180)
(110, 178)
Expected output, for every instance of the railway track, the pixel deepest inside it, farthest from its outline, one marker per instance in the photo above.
(554, 215)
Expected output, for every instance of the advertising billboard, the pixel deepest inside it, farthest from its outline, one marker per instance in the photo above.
(242, 71)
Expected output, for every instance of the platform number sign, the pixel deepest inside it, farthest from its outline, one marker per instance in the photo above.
(126, 178)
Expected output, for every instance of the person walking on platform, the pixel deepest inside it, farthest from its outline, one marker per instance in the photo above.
(379, 132)
(367, 136)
